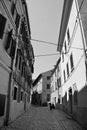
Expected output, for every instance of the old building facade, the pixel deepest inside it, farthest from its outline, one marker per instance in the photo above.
(37, 91)
(56, 84)
(72, 46)
(16, 59)
(46, 88)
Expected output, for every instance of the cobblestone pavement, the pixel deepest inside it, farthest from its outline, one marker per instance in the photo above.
(41, 118)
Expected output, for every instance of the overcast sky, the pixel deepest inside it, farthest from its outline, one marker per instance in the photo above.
(44, 17)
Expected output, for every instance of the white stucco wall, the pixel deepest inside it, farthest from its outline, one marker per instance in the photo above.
(78, 76)
(54, 88)
(45, 91)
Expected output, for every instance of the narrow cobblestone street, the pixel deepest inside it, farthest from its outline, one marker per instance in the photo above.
(41, 118)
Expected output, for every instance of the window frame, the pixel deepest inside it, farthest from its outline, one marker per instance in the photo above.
(71, 62)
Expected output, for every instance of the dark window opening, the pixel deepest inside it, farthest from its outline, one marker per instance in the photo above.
(16, 62)
(12, 8)
(13, 48)
(2, 25)
(59, 82)
(48, 97)
(48, 86)
(71, 62)
(67, 66)
(21, 96)
(17, 20)
(48, 77)
(68, 36)
(65, 47)
(65, 97)
(19, 63)
(8, 42)
(15, 93)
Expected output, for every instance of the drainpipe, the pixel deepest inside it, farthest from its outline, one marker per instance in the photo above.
(6, 121)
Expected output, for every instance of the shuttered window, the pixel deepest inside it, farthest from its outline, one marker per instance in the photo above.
(12, 8)
(7, 46)
(12, 50)
(17, 20)
(15, 93)
(71, 62)
(16, 62)
(2, 25)
(67, 66)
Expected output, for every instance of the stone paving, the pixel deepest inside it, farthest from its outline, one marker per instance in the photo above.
(41, 118)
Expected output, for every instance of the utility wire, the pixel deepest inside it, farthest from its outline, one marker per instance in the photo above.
(75, 68)
(37, 40)
(47, 55)
(43, 41)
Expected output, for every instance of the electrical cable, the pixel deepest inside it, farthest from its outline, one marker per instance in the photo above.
(75, 68)
(51, 43)
(43, 41)
(47, 55)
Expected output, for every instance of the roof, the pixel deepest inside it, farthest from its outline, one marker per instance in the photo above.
(37, 79)
(64, 21)
(47, 72)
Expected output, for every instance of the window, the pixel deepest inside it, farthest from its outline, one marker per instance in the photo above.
(68, 36)
(48, 86)
(16, 62)
(59, 82)
(8, 42)
(67, 66)
(21, 95)
(10, 45)
(15, 93)
(12, 49)
(2, 25)
(48, 77)
(62, 56)
(12, 8)
(17, 20)
(65, 47)
(19, 62)
(48, 97)
(64, 76)
(71, 62)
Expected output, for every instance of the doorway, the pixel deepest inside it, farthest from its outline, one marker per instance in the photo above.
(70, 101)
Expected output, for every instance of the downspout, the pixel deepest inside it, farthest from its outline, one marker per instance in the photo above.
(6, 121)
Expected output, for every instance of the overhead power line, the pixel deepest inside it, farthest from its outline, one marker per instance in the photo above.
(47, 55)
(43, 41)
(54, 43)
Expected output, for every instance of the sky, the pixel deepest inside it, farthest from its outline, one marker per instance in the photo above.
(45, 18)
